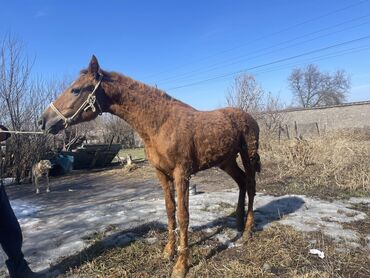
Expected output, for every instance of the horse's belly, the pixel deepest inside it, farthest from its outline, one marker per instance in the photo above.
(210, 154)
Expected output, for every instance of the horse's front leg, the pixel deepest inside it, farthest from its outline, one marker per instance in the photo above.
(169, 196)
(182, 190)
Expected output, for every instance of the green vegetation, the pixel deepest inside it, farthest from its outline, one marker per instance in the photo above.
(136, 153)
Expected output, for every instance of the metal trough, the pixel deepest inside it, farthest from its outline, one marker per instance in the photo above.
(93, 155)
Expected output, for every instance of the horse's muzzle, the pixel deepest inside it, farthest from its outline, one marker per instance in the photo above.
(49, 124)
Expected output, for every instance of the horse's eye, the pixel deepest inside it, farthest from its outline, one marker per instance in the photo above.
(76, 91)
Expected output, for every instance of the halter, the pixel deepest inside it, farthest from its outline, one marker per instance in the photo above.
(86, 105)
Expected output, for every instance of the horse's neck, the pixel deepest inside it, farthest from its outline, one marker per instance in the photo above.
(143, 107)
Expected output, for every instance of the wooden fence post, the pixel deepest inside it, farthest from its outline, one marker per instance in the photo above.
(287, 131)
(279, 132)
(296, 129)
(317, 127)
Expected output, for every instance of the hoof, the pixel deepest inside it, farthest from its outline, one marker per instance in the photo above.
(37, 192)
(181, 267)
(168, 253)
(47, 190)
(178, 273)
(247, 236)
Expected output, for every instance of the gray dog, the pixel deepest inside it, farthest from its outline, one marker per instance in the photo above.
(38, 170)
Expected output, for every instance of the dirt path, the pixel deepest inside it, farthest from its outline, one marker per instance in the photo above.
(83, 205)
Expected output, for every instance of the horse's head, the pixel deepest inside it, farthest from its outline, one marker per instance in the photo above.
(80, 102)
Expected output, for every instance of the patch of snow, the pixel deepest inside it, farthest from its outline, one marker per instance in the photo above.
(359, 200)
(317, 252)
(225, 239)
(24, 209)
(52, 230)
(8, 181)
(222, 238)
(151, 240)
(266, 267)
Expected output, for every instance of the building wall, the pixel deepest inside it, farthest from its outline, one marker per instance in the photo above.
(325, 119)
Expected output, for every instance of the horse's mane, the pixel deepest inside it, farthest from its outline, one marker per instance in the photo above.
(132, 84)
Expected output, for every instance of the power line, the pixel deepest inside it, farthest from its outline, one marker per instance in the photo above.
(228, 63)
(266, 36)
(270, 63)
(317, 58)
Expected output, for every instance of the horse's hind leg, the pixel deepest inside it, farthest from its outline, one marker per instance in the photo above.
(251, 188)
(252, 164)
(169, 196)
(238, 175)
(250, 178)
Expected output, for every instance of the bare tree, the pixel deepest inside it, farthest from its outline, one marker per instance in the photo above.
(248, 95)
(21, 101)
(312, 88)
(118, 131)
(245, 93)
(272, 115)
(15, 69)
(106, 129)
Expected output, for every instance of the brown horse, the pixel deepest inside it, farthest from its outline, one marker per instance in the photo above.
(179, 141)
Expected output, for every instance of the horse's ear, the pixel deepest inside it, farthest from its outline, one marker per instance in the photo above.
(94, 67)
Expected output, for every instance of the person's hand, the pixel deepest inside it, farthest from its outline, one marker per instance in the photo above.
(4, 135)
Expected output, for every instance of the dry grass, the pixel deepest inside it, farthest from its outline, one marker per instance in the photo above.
(314, 166)
(338, 161)
(276, 251)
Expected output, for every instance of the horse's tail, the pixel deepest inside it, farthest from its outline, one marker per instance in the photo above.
(249, 147)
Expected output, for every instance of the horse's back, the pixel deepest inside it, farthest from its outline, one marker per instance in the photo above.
(218, 135)
(227, 119)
